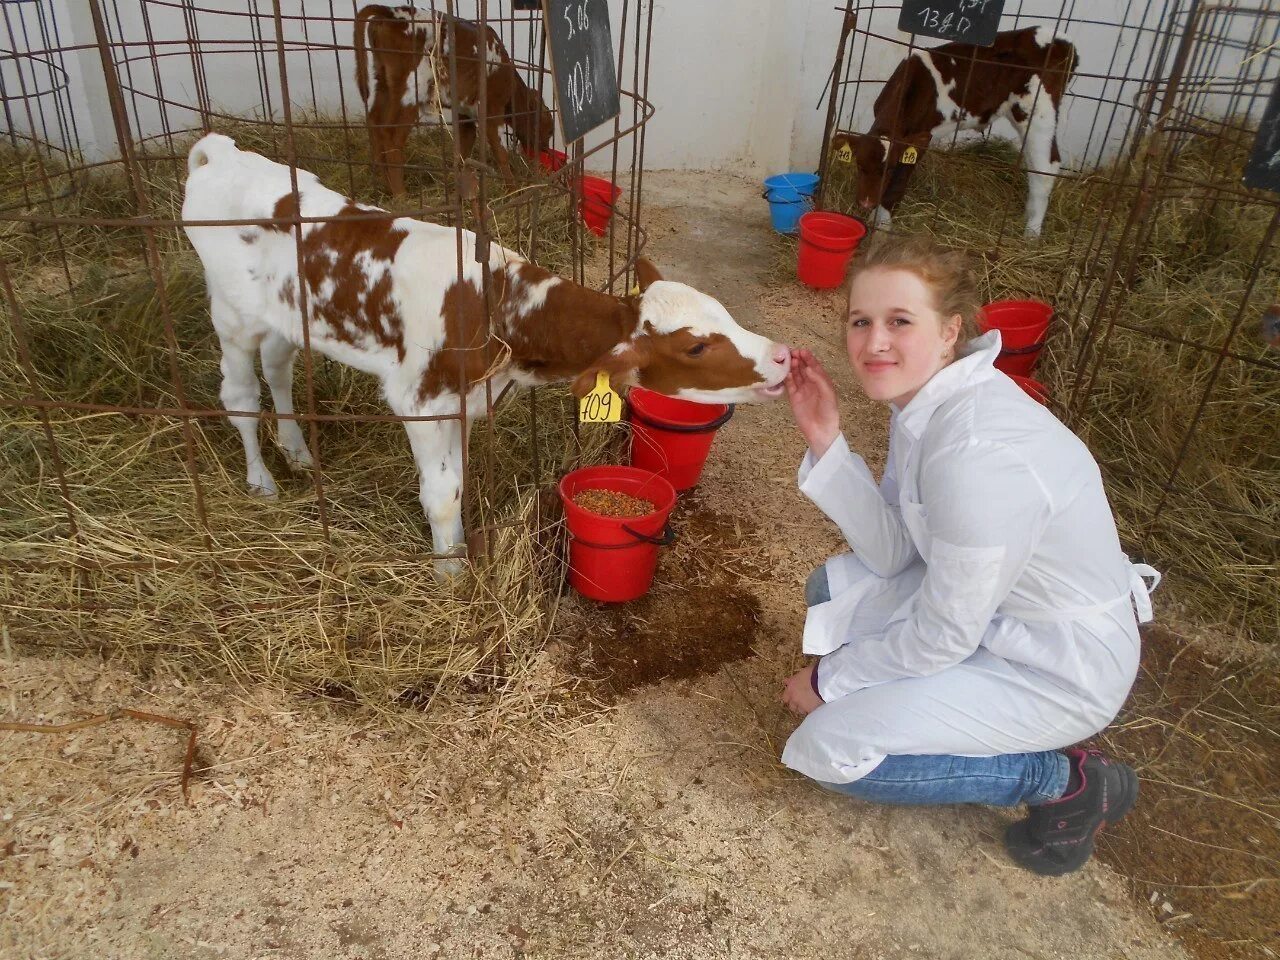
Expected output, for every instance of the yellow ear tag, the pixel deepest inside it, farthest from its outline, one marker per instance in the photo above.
(634, 291)
(845, 153)
(909, 156)
(601, 405)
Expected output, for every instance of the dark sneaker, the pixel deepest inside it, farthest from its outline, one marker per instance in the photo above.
(1057, 837)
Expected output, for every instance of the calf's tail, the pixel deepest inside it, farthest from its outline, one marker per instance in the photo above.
(360, 44)
(209, 148)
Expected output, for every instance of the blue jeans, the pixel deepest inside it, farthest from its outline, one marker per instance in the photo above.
(1001, 781)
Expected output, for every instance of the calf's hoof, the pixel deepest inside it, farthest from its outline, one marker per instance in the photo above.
(260, 483)
(449, 567)
(264, 491)
(298, 459)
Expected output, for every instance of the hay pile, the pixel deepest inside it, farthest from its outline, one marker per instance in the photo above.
(256, 592)
(1216, 537)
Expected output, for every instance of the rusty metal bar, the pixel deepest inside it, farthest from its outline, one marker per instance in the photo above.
(211, 414)
(642, 126)
(194, 48)
(304, 295)
(847, 26)
(613, 159)
(342, 102)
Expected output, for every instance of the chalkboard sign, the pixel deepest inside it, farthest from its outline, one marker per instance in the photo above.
(968, 21)
(582, 63)
(1263, 169)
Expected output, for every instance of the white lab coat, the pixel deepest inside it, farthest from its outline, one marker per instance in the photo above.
(987, 607)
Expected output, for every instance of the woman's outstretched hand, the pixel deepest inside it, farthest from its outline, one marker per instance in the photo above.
(813, 401)
(798, 695)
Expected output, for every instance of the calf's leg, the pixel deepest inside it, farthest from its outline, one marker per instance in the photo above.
(1040, 157)
(240, 392)
(468, 183)
(437, 451)
(277, 368)
(389, 129)
(493, 134)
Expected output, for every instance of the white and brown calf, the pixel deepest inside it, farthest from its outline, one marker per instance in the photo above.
(959, 86)
(385, 296)
(411, 50)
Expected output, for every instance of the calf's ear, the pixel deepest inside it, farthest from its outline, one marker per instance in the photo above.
(621, 364)
(646, 273)
(918, 143)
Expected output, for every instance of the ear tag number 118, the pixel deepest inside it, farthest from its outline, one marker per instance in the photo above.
(602, 404)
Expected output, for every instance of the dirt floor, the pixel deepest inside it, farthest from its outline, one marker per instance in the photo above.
(658, 825)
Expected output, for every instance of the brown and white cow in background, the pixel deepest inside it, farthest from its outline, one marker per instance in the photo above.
(410, 49)
(959, 86)
(385, 297)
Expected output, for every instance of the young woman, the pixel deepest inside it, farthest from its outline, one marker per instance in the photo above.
(984, 620)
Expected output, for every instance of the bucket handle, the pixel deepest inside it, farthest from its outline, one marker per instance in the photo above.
(711, 427)
(668, 537)
(1021, 351)
(802, 198)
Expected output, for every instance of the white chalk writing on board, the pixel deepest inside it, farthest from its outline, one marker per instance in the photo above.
(968, 21)
(579, 35)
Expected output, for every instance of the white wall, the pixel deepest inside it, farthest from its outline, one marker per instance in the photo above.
(738, 84)
(734, 79)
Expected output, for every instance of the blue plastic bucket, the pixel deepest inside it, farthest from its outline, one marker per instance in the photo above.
(790, 195)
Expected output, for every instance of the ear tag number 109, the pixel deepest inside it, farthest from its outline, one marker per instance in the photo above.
(601, 405)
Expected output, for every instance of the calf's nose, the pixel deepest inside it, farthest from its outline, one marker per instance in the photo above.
(781, 354)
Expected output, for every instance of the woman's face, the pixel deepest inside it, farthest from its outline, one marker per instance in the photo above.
(897, 340)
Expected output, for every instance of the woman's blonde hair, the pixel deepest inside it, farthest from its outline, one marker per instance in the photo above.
(946, 272)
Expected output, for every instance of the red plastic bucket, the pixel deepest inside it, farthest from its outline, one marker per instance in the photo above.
(827, 241)
(598, 198)
(671, 437)
(1034, 388)
(549, 160)
(612, 559)
(1022, 325)
(552, 160)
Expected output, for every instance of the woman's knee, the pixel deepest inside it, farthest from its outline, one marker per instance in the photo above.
(816, 589)
(872, 791)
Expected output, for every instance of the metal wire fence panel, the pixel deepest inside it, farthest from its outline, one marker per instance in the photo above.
(116, 457)
(1160, 263)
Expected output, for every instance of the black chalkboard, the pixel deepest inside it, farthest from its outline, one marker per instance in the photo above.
(582, 62)
(1263, 169)
(968, 21)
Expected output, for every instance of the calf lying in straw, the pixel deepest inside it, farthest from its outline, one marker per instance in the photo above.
(411, 71)
(385, 296)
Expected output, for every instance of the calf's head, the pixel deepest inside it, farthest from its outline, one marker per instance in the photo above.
(531, 121)
(882, 175)
(686, 345)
